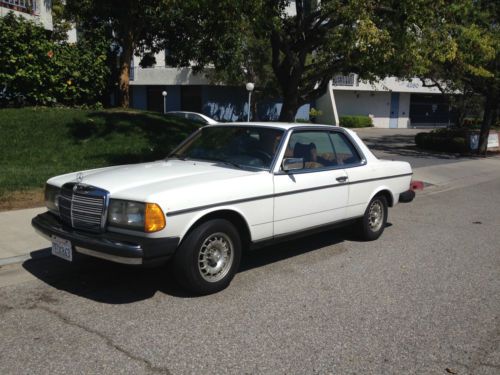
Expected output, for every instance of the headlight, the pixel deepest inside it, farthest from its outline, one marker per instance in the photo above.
(52, 197)
(136, 215)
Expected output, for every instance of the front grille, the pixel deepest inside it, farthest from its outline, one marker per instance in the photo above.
(83, 206)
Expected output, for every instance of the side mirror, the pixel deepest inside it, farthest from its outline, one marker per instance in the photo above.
(292, 164)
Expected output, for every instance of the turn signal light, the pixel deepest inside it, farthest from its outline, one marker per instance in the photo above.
(154, 219)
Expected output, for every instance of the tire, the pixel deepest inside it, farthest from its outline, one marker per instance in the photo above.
(208, 257)
(372, 225)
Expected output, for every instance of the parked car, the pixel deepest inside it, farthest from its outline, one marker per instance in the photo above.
(225, 189)
(194, 116)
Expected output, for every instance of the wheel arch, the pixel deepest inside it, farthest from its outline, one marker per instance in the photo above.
(386, 192)
(233, 216)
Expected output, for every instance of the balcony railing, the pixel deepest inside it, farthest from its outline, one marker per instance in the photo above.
(25, 6)
(350, 80)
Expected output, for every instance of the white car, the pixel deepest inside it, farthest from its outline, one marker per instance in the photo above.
(225, 189)
(193, 116)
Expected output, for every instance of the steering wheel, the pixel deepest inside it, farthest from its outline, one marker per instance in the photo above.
(264, 156)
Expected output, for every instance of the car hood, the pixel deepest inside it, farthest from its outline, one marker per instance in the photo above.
(128, 180)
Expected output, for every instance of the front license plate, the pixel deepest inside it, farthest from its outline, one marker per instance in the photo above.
(62, 248)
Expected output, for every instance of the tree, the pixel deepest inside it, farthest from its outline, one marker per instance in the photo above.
(134, 26)
(303, 49)
(61, 26)
(471, 27)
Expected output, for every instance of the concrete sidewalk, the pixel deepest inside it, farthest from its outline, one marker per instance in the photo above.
(19, 242)
(444, 177)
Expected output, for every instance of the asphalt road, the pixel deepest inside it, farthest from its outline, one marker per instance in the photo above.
(423, 299)
(399, 144)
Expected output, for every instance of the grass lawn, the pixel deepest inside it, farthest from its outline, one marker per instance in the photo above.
(37, 143)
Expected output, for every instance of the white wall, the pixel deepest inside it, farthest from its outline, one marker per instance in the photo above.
(324, 104)
(167, 76)
(404, 110)
(43, 14)
(377, 104)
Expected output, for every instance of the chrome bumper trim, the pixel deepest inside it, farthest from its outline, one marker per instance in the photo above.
(112, 258)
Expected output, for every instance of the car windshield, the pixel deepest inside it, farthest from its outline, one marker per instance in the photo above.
(240, 146)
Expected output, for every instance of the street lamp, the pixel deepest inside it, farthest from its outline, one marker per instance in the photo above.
(250, 86)
(164, 93)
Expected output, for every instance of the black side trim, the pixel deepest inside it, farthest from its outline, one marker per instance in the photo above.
(200, 208)
(301, 233)
(380, 178)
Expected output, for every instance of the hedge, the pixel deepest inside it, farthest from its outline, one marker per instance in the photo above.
(356, 121)
(445, 140)
(36, 70)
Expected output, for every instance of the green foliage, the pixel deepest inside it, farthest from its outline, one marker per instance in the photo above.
(313, 112)
(133, 27)
(303, 121)
(294, 56)
(37, 143)
(466, 55)
(356, 121)
(39, 71)
(60, 25)
(444, 140)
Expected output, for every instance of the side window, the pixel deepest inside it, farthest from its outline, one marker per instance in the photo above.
(314, 147)
(344, 150)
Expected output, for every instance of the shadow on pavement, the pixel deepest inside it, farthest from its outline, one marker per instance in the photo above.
(403, 145)
(112, 283)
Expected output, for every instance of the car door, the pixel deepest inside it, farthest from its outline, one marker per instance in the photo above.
(314, 195)
(354, 164)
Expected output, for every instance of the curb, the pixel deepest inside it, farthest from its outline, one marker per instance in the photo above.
(34, 255)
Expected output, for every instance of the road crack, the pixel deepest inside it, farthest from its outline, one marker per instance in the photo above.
(109, 342)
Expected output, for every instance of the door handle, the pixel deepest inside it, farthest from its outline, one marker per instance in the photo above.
(342, 179)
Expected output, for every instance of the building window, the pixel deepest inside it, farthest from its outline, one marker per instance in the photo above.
(25, 6)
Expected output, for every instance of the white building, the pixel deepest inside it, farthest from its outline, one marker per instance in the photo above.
(391, 103)
(187, 91)
(39, 11)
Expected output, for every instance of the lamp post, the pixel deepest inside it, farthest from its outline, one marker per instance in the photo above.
(250, 86)
(164, 93)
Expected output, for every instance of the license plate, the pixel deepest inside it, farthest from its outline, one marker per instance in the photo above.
(62, 248)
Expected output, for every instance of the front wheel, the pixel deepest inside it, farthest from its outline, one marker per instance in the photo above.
(208, 257)
(372, 225)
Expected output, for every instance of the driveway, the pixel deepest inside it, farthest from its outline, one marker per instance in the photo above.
(399, 144)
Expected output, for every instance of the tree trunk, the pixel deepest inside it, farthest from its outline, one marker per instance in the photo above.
(123, 84)
(490, 115)
(288, 111)
(290, 103)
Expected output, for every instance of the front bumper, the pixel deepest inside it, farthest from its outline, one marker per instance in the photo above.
(115, 247)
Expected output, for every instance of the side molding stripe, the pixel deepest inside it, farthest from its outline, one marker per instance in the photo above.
(200, 208)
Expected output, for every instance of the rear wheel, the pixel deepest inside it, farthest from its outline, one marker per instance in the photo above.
(208, 257)
(372, 225)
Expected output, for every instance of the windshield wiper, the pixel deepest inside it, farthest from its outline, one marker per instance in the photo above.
(223, 161)
(177, 156)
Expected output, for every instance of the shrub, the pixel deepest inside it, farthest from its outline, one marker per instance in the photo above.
(444, 140)
(36, 70)
(356, 121)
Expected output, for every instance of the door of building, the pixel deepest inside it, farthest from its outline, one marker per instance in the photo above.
(394, 116)
(191, 98)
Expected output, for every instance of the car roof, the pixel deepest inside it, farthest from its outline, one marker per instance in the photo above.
(194, 113)
(279, 125)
